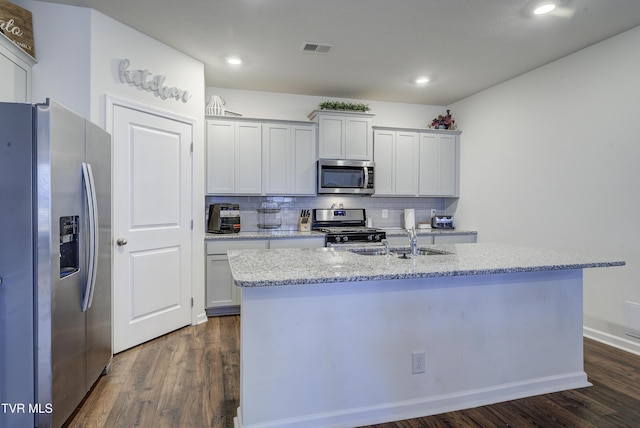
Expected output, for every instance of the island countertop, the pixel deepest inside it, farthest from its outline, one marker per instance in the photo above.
(277, 267)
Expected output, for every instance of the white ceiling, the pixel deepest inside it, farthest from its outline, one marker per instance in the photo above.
(463, 46)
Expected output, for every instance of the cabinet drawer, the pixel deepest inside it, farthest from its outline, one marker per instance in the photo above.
(222, 246)
(297, 243)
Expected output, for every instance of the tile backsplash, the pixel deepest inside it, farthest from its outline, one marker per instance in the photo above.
(292, 205)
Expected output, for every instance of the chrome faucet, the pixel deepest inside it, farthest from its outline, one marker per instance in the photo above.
(413, 241)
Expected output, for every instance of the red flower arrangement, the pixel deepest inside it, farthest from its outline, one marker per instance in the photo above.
(443, 121)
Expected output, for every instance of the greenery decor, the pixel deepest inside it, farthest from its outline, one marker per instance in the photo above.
(339, 105)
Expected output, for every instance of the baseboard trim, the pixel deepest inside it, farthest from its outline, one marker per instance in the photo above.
(428, 405)
(611, 340)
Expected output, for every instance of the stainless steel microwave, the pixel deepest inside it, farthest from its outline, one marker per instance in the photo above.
(345, 177)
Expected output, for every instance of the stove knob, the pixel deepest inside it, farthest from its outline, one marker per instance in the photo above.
(337, 239)
(345, 238)
(377, 237)
(370, 237)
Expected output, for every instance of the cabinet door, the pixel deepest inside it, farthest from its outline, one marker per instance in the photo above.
(439, 170)
(220, 157)
(15, 85)
(220, 288)
(467, 238)
(406, 163)
(304, 160)
(277, 159)
(358, 138)
(385, 163)
(297, 243)
(248, 158)
(331, 136)
(449, 172)
(429, 164)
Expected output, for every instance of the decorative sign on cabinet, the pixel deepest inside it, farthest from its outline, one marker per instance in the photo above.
(344, 135)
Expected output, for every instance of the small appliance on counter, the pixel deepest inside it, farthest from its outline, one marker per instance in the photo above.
(269, 215)
(409, 218)
(442, 222)
(224, 218)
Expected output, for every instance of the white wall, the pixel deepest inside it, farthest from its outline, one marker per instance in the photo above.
(62, 72)
(271, 105)
(550, 159)
(78, 51)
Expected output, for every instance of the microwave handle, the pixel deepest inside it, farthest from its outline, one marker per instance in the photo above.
(366, 177)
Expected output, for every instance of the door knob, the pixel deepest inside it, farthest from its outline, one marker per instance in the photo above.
(121, 242)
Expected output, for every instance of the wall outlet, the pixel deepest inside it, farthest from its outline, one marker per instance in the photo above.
(385, 213)
(418, 362)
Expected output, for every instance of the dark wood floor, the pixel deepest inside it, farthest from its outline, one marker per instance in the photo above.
(190, 378)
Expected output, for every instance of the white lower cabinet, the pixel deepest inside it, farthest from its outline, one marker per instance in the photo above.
(222, 295)
(297, 242)
(466, 238)
(458, 238)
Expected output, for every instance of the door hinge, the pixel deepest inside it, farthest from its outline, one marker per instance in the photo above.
(192, 302)
(191, 148)
(191, 224)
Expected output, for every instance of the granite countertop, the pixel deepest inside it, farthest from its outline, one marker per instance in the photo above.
(276, 234)
(260, 268)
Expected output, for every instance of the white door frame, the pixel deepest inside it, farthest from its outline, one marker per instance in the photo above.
(114, 101)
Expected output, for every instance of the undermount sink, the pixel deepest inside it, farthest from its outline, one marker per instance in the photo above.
(400, 252)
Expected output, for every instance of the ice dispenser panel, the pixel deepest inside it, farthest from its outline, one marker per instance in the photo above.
(69, 251)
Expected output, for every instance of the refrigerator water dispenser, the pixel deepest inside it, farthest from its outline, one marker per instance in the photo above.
(69, 251)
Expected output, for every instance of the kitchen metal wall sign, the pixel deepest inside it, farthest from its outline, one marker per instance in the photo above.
(144, 80)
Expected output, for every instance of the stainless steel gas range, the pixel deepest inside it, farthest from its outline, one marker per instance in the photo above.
(346, 226)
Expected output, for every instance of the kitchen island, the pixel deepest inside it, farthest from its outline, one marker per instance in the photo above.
(333, 338)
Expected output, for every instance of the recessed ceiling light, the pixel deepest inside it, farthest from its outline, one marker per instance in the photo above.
(422, 80)
(234, 60)
(543, 9)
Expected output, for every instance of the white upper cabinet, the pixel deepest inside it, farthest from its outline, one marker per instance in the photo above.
(234, 157)
(304, 160)
(344, 135)
(416, 162)
(15, 69)
(288, 159)
(439, 164)
(396, 158)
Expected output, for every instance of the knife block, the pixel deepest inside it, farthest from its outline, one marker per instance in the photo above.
(304, 224)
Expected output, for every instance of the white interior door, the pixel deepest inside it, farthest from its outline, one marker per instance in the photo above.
(151, 224)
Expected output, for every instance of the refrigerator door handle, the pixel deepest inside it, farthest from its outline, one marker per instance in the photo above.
(92, 204)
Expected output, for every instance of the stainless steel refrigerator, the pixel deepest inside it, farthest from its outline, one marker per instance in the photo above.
(55, 262)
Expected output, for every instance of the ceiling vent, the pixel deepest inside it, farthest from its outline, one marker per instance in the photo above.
(317, 48)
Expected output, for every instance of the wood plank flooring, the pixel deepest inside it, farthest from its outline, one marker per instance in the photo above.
(190, 378)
